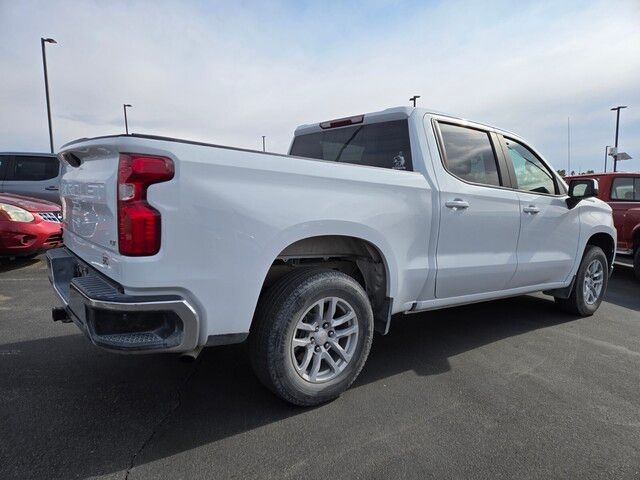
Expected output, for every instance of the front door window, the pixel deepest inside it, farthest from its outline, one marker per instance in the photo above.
(531, 174)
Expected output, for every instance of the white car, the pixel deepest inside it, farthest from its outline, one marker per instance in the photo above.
(174, 245)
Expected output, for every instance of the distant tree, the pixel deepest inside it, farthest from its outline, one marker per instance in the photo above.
(562, 172)
(590, 171)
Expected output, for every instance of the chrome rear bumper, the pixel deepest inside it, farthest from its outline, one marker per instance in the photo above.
(117, 321)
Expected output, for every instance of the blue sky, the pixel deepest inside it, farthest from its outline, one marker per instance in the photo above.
(231, 72)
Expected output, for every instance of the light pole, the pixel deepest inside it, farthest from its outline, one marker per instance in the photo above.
(617, 110)
(46, 86)
(263, 148)
(569, 144)
(413, 99)
(126, 124)
(606, 154)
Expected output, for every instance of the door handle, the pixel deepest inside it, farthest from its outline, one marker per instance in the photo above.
(51, 188)
(531, 209)
(457, 204)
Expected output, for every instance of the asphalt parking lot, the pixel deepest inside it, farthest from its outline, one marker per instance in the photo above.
(506, 389)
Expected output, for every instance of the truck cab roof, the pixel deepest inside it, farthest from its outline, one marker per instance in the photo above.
(389, 114)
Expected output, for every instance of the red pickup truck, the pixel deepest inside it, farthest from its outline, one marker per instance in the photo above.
(622, 192)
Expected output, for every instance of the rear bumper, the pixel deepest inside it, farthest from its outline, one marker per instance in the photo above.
(117, 321)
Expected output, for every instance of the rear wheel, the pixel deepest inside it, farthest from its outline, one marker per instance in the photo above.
(590, 284)
(311, 335)
(636, 262)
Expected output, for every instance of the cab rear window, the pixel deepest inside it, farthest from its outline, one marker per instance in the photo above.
(384, 145)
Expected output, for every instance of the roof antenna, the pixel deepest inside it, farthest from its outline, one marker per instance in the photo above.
(413, 99)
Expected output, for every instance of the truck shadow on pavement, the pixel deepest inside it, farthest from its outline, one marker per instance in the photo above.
(72, 410)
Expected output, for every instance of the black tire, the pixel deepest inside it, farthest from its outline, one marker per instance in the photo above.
(576, 303)
(277, 315)
(636, 263)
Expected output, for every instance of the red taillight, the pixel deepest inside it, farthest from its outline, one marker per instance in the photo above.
(139, 222)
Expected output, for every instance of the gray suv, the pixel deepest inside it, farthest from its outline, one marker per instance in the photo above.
(30, 174)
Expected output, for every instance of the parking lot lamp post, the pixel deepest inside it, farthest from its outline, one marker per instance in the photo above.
(569, 144)
(413, 99)
(606, 154)
(46, 86)
(126, 124)
(263, 147)
(617, 110)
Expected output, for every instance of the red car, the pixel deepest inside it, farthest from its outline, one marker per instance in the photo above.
(622, 192)
(28, 226)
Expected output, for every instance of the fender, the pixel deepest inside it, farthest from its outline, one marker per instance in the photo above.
(593, 220)
(585, 236)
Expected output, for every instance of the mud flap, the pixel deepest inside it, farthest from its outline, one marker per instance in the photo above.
(382, 316)
(562, 292)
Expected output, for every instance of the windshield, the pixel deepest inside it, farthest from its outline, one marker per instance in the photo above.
(384, 145)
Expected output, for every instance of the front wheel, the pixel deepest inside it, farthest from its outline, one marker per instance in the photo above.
(590, 284)
(311, 335)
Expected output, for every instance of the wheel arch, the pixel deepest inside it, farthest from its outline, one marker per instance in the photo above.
(359, 252)
(356, 231)
(606, 242)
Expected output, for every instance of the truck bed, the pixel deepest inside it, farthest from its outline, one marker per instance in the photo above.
(229, 212)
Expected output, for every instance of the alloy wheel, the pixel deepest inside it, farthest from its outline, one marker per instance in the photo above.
(593, 281)
(324, 340)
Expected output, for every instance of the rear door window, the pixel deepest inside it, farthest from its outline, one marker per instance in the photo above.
(384, 145)
(625, 189)
(469, 154)
(33, 169)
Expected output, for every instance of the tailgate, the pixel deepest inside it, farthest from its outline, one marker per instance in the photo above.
(88, 191)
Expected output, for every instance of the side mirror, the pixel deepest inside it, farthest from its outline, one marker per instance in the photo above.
(581, 188)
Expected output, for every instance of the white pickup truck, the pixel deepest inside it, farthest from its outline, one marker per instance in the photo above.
(173, 245)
